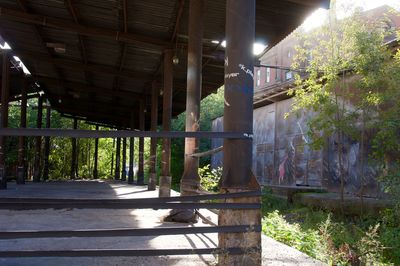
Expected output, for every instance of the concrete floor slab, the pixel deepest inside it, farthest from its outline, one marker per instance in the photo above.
(274, 253)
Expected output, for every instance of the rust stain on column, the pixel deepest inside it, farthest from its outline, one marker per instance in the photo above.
(118, 160)
(153, 141)
(21, 169)
(38, 142)
(190, 183)
(165, 177)
(140, 174)
(47, 146)
(238, 117)
(4, 116)
(73, 155)
(131, 152)
(96, 155)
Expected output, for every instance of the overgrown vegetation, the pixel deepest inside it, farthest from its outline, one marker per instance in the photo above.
(333, 239)
(351, 86)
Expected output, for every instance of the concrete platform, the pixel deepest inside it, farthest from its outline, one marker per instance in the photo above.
(274, 253)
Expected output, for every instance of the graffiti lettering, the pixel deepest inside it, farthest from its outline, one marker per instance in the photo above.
(246, 70)
(231, 75)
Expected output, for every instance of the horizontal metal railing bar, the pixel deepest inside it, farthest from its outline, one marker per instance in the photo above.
(193, 198)
(130, 232)
(104, 204)
(123, 252)
(79, 133)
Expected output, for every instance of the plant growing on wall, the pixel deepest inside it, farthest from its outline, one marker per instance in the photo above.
(339, 57)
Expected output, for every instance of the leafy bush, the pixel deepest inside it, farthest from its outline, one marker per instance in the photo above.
(209, 178)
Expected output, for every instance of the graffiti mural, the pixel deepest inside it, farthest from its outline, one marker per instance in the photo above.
(282, 155)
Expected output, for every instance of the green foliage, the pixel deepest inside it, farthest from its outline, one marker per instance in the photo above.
(209, 178)
(211, 107)
(333, 239)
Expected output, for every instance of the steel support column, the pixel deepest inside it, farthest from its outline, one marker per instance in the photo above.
(131, 153)
(73, 155)
(118, 160)
(5, 86)
(140, 174)
(21, 168)
(123, 176)
(96, 155)
(38, 142)
(165, 177)
(153, 142)
(238, 117)
(112, 158)
(47, 145)
(190, 182)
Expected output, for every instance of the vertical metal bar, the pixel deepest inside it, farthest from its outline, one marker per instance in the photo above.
(96, 155)
(190, 182)
(73, 155)
(165, 177)
(38, 142)
(131, 152)
(140, 174)
(238, 117)
(21, 169)
(123, 176)
(4, 116)
(47, 145)
(118, 160)
(153, 142)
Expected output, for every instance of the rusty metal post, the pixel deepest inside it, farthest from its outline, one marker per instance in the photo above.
(131, 152)
(123, 177)
(153, 142)
(73, 155)
(38, 142)
(47, 145)
(118, 160)
(140, 174)
(96, 155)
(190, 182)
(112, 158)
(21, 168)
(5, 86)
(238, 117)
(165, 177)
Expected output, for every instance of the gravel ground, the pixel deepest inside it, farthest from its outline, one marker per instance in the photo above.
(274, 253)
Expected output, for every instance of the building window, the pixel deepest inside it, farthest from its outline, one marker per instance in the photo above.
(288, 75)
(258, 78)
(268, 75)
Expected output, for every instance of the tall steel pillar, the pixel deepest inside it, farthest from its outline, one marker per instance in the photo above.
(238, 117)
(38, 142)
(190, 182)
(5, 87)
(123, 176)
(47, 145)
(131, 152)
(21, 168)
(74, 153)
(96, 155)
(153, 141)
(165, 177)
(140, 174)
(118, 160)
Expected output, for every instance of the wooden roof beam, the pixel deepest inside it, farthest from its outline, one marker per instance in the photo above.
(95, 68)
(69, 26)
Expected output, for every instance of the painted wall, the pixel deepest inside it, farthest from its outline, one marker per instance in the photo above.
(282, 156)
